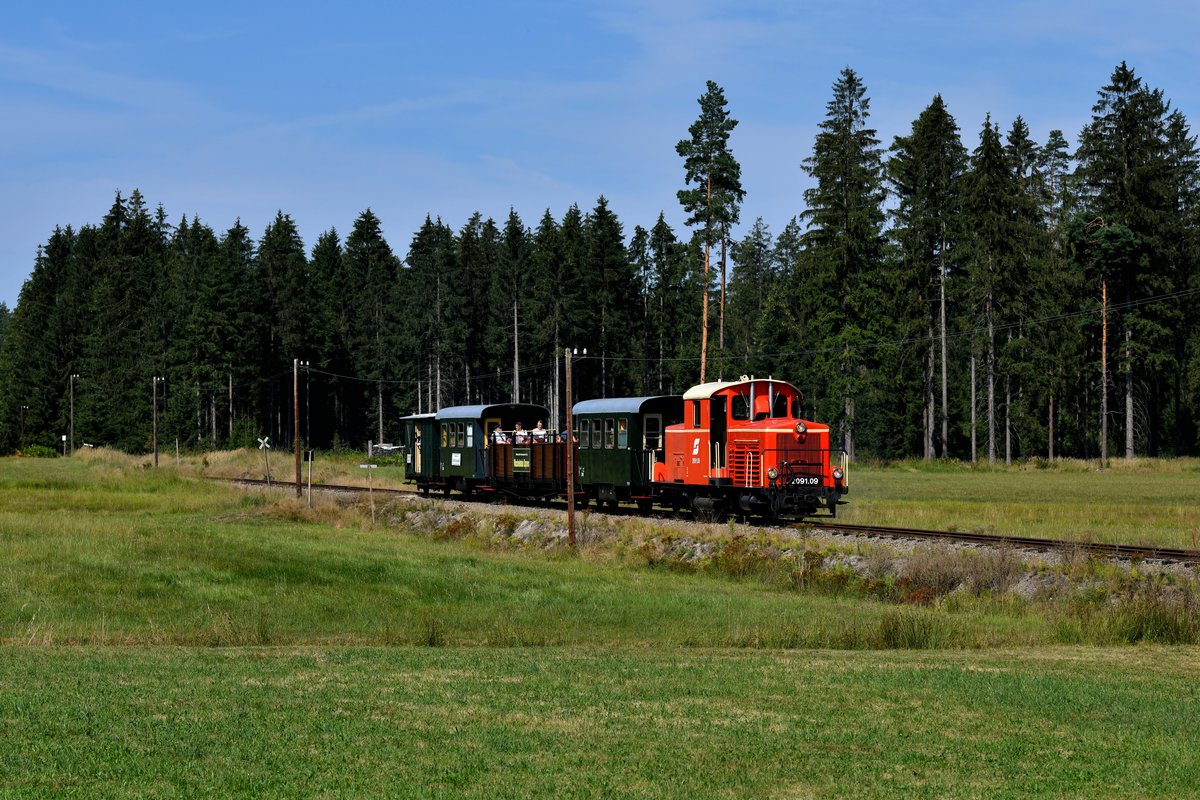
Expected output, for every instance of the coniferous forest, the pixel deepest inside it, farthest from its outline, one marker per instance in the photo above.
(958, 293)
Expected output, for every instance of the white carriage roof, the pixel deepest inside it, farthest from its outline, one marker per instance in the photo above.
(706, 390)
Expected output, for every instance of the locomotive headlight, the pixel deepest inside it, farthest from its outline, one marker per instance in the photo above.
(801, 429)
(773, 473)
(838, 474)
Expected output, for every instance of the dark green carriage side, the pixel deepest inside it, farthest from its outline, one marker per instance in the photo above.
(422, 449)
(463, 435)
(620, 439)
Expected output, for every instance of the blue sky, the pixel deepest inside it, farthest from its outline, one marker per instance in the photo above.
(322, 110)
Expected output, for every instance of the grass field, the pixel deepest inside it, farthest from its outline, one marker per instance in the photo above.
(597, 722)
(168, 637)
(1143, 502)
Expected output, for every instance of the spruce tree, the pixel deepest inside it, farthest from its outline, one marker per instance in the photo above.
(925, 171)
(753, 281)
(844, 250)
(373, 278)
(990, 199)
(1126, 180)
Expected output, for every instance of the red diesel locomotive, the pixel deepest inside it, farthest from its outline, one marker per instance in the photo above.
(743, 446)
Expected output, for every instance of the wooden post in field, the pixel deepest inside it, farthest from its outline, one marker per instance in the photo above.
(1104, 374)
(570, 458)
(154, 400)
(296, 420)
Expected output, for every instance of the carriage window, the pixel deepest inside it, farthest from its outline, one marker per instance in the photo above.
(652, 433)
(581, 432)
(597, 434)
(781, 406)
(443, 434)
(460, 437)
(609, 434)
(622, 433)
(471, 435)
(741, 407)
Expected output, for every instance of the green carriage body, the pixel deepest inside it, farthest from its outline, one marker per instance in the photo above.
(620, 440)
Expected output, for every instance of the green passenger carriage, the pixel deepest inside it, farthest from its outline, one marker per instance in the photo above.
(620, 440)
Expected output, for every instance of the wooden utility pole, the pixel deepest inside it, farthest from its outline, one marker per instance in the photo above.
(296, 421)
(704, 305)
(1103, 374)
(73, 377)
(570, 456)
(154, 415)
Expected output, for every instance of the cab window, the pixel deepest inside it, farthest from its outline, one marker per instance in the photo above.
(740, 408)
(622, 433)
(795, 408)
(695, 413)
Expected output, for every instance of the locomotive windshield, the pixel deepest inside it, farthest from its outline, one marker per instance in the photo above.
(780, 408)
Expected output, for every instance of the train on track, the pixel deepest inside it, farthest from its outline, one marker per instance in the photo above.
(728, 447)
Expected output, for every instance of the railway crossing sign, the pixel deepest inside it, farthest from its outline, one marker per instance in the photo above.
(264, 444)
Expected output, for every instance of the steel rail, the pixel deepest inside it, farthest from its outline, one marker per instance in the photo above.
(1106, 549)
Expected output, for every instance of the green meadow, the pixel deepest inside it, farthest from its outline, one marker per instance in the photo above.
(1145, 501)
(165, 636)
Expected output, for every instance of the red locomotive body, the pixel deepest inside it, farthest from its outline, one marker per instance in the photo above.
(743, 445)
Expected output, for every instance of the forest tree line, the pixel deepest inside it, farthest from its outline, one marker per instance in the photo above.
(934, 298)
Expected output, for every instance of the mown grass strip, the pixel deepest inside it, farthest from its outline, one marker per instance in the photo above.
(590, 722)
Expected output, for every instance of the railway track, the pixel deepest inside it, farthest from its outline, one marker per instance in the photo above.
(1101, 549)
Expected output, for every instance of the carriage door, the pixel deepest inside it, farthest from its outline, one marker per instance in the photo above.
(415, 443)
(716, 426)
(653, 443)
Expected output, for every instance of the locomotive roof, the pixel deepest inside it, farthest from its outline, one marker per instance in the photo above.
(617, 405)
(707, 390)
(479, 412)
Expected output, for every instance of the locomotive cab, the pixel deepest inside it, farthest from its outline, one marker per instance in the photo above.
(745, 445)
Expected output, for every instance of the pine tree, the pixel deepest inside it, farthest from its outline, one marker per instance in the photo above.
(714, 203)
